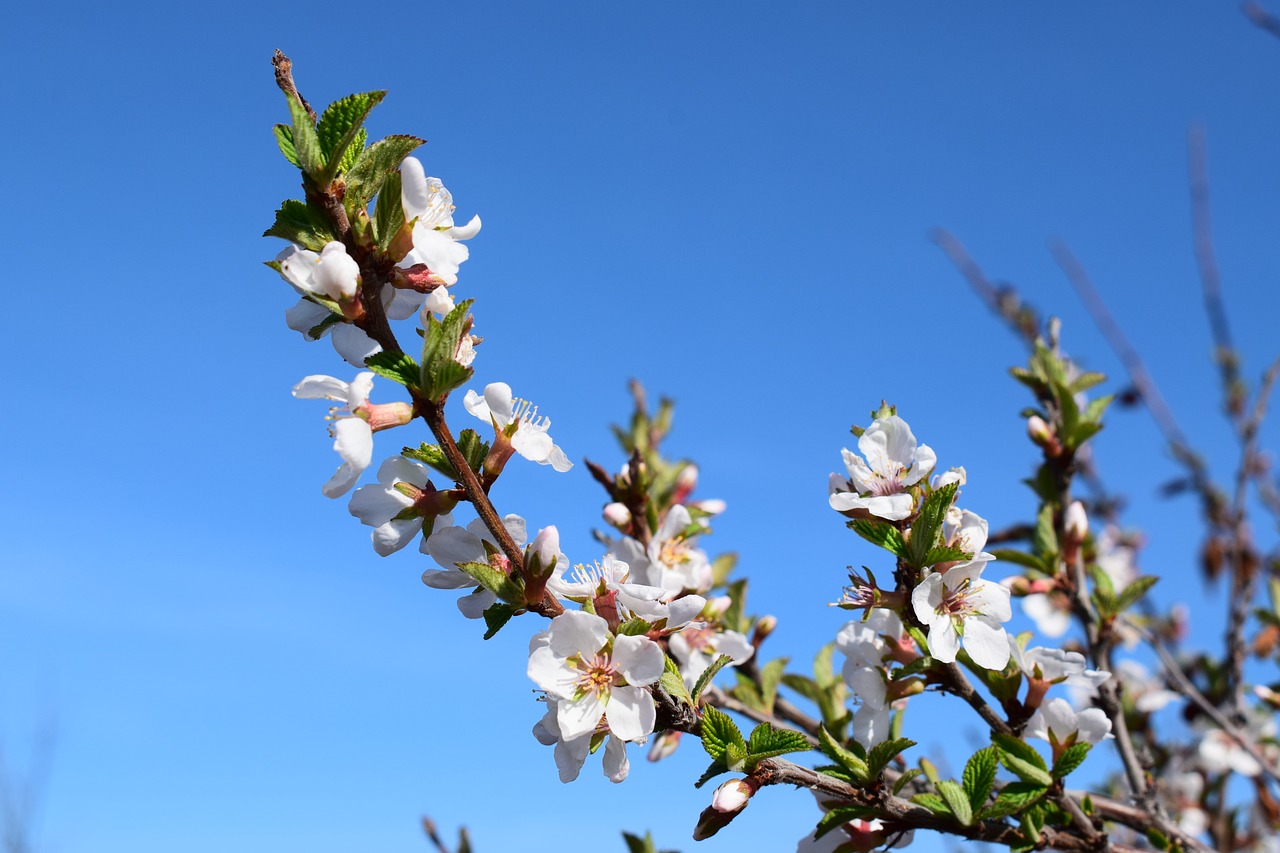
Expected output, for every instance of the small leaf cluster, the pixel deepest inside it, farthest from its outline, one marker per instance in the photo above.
(856, 765)
(730, 752)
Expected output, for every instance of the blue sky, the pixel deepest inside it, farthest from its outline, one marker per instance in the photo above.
(728, 201)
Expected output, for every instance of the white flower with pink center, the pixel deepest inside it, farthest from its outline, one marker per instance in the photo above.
(957, 605)
(595, 677)
(672, 560)
(893, 464)
(436, 240)
(697, 648)
(1060, 724)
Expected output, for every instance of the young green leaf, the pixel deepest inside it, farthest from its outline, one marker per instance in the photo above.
(980, 776)
(709, 673)
(388, 214)
(1022, 760)
(339, 126)
(1012, 799)
(374, 165)
(672, 682)
(298, 223)
(905, 779)
(1132, 593)
(879, 756)
(881, 534)
(718, 731)
(473, 449)
(770, 675)
(933, 803)
(1071, 758)
(716, 768)
(284, 139)
(305, 141)
(441, 372)
(505, 587)
(396, 366)
(768, 742)
(956, 799)
(926, 532)
(1009, 555)
(497, 615)
(846, 759)
(432, 455)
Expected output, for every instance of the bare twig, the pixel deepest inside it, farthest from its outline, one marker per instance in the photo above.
(1261, 18)
(1003, 301)
(284, 79)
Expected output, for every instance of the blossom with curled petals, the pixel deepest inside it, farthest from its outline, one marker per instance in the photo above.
(878, 485)
(354, 423)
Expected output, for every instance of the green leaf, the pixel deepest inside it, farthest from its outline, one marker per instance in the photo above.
(396, 366)
(1087, 380)
(430, 454)
(1022, 760)
(298, 222)
(1012, 799)
(980, 776)
(284, 139)
(354, 150)
(374, 165)
(1046, 538)
(767, 742)
(839, 816)
(881, 754)
(1158, 839)
(710, 773)
(388, 214)
(933, 803)
(734, 618)
(835, 771)
(1096, 407)
(956, 799)
(305, 141)
(635, 844)
(718, 731)
(926, 532)
(441, 372)
(1134, 592)
(921, 664)
(881, 534)
(1104, 591)
(905, 779)
(846, 759)
(634, 627)
(735, 757)
(770, 675)
(497, 615)
(672, 682)
(506, 588)
(1020, 558)
(709, 673)
(473, 449)
(1071, 758)
(339, 126)
(802, 684)
(746, 692)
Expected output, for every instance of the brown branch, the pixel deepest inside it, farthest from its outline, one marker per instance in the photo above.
(1003, 301)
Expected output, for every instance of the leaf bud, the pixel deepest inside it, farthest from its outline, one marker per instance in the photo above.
(726, 803)
(617, 515)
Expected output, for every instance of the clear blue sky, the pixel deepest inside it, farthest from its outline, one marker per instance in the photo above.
(727, 200)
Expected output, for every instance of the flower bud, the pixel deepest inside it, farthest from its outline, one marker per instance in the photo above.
(687, 479)
(546, 545)
(385, 415)
(664, 745)
(711, 506)
(1039, 431)
(618, 515)
(764, 627)
(1075, 522)
(728, 800)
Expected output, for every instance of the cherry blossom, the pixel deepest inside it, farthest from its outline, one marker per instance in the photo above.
(436, 240)
(517, 420)
(570, 755)
(399, 504)
(957, 605)
(354, 423)
(893, 464)
(1060, 724)
(595, 676)
(450, 546)
(670, 561)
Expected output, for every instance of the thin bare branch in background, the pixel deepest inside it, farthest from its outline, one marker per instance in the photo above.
(20, 794)
(1261, 18)
(1003, 299)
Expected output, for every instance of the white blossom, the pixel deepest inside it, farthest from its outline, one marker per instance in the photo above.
(450, 546)
(893, 463)
(1057, 722)
(957, 605)
(531, 438)
(595, 676)
(401, 483)
(353, 436)
(436, 240)
(671, 560)
(570, 755)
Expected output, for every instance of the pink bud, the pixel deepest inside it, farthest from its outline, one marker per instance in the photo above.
(1039, 430)
(617, 514)
(1075, 521)
(546, 545)
(711, 506)
(687, 479)
(732, 796)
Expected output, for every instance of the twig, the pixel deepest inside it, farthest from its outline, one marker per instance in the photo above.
(1001, 300)
(1115, 337)
(1261, 18)
(284, 79)
(1187, 688)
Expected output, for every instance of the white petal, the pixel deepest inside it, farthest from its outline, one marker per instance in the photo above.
(394, 535)
(577, 632)
(341, 481)
(474, 605)
(988, 645)
(454, 545)
(639, 659)
(943, 640)
(570, 755)
(353, 344)
(616, 765)
(631, 712)
(398, 469)
(871, 725)
(376, 504)
(465, 232)
(354, 441)
(447, 579)
(304, 316)
(550, 672)
(321, 387)
(581, 716)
